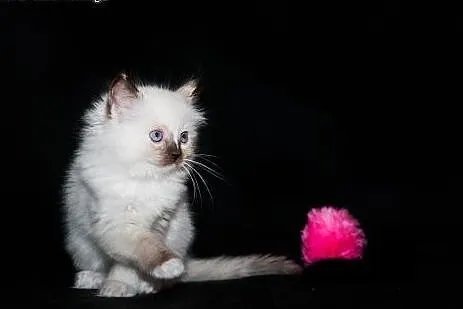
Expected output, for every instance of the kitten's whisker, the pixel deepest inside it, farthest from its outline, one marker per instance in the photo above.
(204, 182)
(195, 184)
(215, 164)
(206, 155)
(208, 169)
(194, 181)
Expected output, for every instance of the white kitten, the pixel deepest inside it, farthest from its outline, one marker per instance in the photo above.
(128, 226)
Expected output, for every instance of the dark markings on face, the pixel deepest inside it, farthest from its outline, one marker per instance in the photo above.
(172, 153)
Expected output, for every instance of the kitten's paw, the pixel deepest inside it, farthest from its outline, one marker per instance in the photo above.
(113, 288)
(146, 288)
(88, 279)
(170, 269)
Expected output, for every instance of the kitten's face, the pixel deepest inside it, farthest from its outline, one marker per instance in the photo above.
(153, 126)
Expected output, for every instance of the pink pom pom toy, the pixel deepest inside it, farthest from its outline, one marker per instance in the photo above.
(331, 233)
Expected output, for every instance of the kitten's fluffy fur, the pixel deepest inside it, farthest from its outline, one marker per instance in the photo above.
(128, 226)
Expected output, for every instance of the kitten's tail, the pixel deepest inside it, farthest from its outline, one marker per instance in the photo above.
(225, 267)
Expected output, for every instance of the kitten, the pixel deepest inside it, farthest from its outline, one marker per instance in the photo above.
(127, 222)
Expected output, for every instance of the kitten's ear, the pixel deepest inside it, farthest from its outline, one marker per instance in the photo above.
(189, 89)
(122, 92)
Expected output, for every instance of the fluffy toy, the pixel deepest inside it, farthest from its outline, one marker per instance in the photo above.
(331, 233)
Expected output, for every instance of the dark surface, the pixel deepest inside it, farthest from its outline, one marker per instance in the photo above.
(313, 104)
(248, 293)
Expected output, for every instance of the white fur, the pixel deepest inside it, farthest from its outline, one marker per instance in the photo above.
(171, 269)
(116, 188)
(88, 279)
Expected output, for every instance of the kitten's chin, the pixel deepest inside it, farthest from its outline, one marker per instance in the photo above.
(170, 169)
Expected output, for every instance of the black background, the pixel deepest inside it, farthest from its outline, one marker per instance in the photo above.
(348, 104)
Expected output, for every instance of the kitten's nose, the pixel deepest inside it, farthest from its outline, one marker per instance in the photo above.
(173, 152)
(174, 155)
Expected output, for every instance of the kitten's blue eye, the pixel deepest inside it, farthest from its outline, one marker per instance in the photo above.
(156, 136)
(184, 137)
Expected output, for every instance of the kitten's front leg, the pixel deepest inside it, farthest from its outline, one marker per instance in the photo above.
(122, 281)
(158, 260)
(130, 245)
(88, 279)
(173, 267)
(125, 281)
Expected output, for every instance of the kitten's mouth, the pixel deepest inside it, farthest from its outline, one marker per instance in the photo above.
(176, 163)
(171, 162)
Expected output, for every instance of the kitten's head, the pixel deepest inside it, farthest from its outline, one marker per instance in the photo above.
(151, 127)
